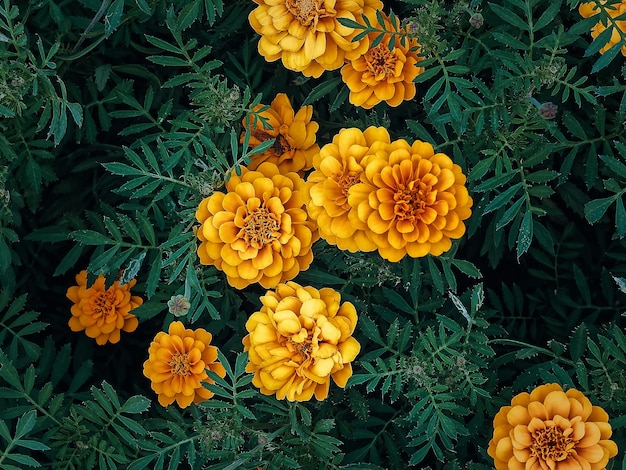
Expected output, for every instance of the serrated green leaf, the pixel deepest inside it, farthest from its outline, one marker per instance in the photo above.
(594, 210)
(525, 235)
(508, 16)
(578, 342)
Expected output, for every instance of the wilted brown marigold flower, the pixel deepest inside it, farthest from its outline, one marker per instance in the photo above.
(259, 230)
(102, 312)
(294, 147)
(338, 167)
(410, 201)
(614, 9)
(176, 365)
(384, 73)
(551, 429)
(299, 339)
(306, 34)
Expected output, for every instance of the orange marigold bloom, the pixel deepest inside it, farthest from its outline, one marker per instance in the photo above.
(383, 73)
(295, 146)
(259, 230)
(306, 34)
(177, 363)
(102, 312)
(551, 429)
(614, 9)
(299, 339)
(411, 201)
(338, 167)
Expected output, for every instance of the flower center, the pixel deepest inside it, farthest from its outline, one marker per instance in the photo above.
(180, 364)
(411, 200)
(345, 182)
(381, 62)
(103, 304)
(551, 443)
(281, 145)
(261, 227)
(306, 12)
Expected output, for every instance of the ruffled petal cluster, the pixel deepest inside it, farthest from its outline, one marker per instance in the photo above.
(614, 10)
(384, 73)
(338, 167)
(551, 429)
(259, 229)
(102, 313)
(299, 340)
(295, 145)
(411, 201)
(177, 364)
(306, 34)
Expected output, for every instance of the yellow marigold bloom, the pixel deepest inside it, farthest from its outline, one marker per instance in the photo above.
(411, 201)
(551, 429)
(295, 146)
(383, 73)
(177, 363)
(259, 230)
(306, 34)
(338, 167)
(615, 9)
(102, 312)
(299, 339)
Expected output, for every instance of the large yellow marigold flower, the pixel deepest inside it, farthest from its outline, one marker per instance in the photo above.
(614, 10)
(551, 429)
(306, 34)
(259, 230)
(383, 73)
(299, 339)
(177, 364)
(338, 167)
(411, 201)
(295, 146)
(102, 312)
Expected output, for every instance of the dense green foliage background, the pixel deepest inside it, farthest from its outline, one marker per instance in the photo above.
(117, 117)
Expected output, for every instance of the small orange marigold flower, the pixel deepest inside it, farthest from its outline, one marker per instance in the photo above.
(551, 429)
(102, 313)
(299, 339)
(338, 167)
(294, 147)
(306, 34)
(259, 230)
(614, 9)
(176, 365)
(383, 73)
(410, 201)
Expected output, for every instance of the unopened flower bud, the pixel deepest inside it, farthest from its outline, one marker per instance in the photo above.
(548, 110)
(476, 20)
(178, 305)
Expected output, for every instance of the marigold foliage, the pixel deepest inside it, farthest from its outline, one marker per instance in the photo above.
(550, 428)
(177, 364)
(102, 312)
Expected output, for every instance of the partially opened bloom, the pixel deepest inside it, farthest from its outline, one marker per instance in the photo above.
(614, 9)
(102, 313)
(411, 201)
(299, 340)
(259, 230)
(551, 429)
(306, 34)
(294, 147)
(338, 167)
(177, 364)
(383, 73)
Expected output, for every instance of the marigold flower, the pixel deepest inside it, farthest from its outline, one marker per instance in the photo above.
(338, 167)
(295, 146)
(410, 201)
(383, 73)
(102, 312)
(177, 364)
(306, 34)
(259, 230)
(299, 339)
(551, 429)
(614, 9)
